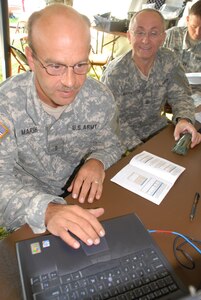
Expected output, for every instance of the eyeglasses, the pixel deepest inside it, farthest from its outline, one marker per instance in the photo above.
(142, 34)
(54, 69)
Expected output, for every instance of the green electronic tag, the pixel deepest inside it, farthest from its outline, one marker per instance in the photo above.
(183, 144)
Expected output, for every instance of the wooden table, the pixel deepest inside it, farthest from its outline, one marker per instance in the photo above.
(171, 214)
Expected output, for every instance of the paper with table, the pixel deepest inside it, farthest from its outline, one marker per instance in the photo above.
(149, 176)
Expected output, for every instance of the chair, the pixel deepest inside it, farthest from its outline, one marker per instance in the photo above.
(98, 57)
(20, 34)
(20, 58)
(98, 60)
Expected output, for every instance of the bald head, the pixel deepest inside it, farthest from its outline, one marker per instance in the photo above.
(144, 13)
(57, 22)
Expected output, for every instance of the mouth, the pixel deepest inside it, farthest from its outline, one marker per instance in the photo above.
(145, 48)
(66, 93)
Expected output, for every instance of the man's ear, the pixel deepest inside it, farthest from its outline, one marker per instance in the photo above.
(163, 38)
(129, 36)
(29, 56)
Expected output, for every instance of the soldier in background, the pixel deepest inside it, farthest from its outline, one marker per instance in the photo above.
(53, 121)
(185, 41)
(144, 79)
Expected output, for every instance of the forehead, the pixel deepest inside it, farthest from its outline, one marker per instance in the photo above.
(195, 20)
(61, 38)
(148, 20)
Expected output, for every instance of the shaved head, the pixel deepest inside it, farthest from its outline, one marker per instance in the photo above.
(56, 20)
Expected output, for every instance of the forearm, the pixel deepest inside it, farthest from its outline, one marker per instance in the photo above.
(108, 153)
(20, 204)
(179, 97)
(107, 144)
(183, 108)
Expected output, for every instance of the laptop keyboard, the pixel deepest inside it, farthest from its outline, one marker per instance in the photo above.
(140, 276)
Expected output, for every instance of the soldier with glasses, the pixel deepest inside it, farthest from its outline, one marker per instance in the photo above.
(57, 132)
(147, 77)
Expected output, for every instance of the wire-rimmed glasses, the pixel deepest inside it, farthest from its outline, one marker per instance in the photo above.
(55, 69)
(141, 34)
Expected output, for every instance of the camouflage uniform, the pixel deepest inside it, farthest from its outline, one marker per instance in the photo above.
(39, 153)
(189, 53)
(141, 101)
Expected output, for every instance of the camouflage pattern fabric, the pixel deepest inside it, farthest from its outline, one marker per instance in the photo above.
(140, 100)
(188, 53)
(39, 153)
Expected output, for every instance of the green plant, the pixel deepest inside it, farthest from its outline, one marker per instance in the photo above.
(3, 233)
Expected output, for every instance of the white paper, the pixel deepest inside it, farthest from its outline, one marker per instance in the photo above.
(194, 78)
(198, 117)
(170, 12)
(149, 176)
(197, 98)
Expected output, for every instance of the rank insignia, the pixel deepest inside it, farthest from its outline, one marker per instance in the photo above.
(3, 130)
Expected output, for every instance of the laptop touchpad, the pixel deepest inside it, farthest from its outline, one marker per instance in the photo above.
(95, 249)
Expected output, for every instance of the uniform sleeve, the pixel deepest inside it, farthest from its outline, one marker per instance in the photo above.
(167, 39)
(112, 78)
(19, 203)
(179, 94)
(107, 146)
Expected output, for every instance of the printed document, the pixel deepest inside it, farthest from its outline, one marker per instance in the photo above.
(149, 176)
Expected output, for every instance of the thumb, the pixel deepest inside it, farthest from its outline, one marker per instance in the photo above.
(176, 134)
(97, 212)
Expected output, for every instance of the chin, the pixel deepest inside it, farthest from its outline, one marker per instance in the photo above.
(63, 99)
(64, 102)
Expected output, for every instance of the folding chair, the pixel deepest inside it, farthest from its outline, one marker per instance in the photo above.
(98, 60)
(20, 34)
(98, 57)
(20, 58)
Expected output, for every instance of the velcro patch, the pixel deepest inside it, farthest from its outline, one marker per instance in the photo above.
(3, 130)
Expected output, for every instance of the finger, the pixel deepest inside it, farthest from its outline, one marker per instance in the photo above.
(87, 231)
(99, 191)
(69, 239)
(195, 139)
(97, 212)
(69, 189)
(88, 239)
(77, 184)
(86, 186)
(95, 191)
(176, 133)
(91, 216)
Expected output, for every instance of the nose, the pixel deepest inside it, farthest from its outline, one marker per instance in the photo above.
(68, 78)
(198, 32)
(146, 37)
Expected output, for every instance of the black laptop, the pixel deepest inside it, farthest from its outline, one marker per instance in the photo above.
(127, 264)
